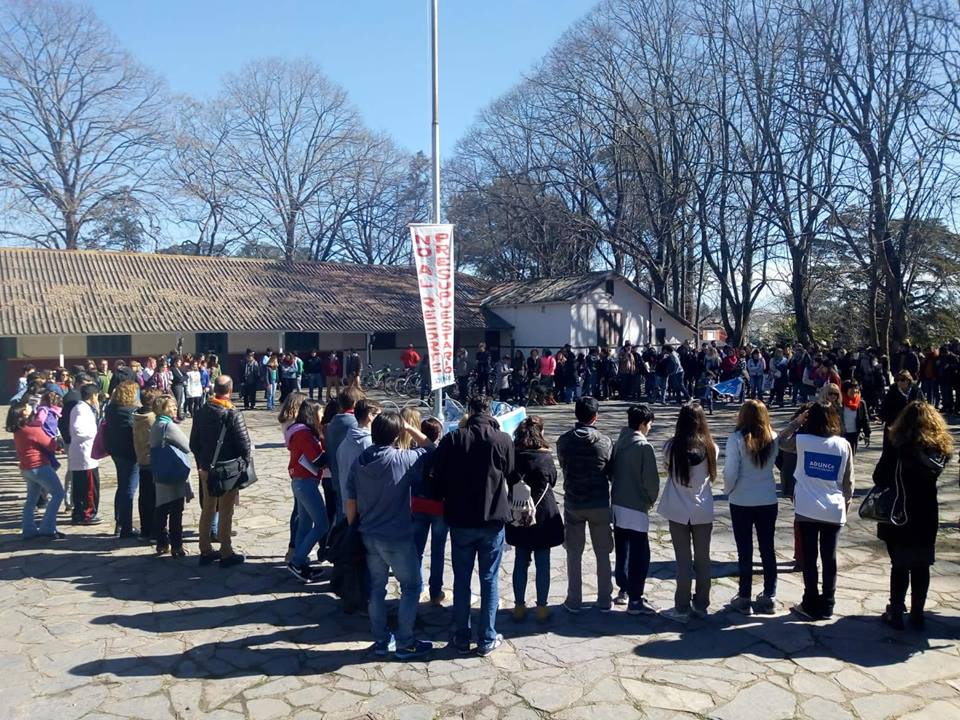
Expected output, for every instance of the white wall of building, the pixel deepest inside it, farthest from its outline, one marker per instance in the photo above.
(550, 325)
(48, 347)
(546, 325)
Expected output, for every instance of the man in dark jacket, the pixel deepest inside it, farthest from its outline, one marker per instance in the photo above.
(470, 466)
(207, 423)
(584, 454)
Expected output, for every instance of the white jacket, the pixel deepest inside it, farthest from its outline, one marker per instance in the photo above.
(824, 477)
(83, 430)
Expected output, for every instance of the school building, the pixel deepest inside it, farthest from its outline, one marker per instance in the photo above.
(58, 308)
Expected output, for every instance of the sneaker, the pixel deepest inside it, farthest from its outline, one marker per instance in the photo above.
(233, 560)
(893, 618)
(641, 607)
(485, 649)
(573, 610)
(805, 612)
(95, 520)
(543, 613)
(210, 558)
(300, 572)
(766, 604)
(162, 549)
(678, 616)
(131, 534)
(519, 613)
(416, 649)
(698, 613)
(55, 535)
(178, 553)
(437, 600)
(741, 605)
(382, 648)
(461, 646)
(622, 598)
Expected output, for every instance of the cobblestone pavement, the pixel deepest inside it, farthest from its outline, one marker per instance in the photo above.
(93, 629)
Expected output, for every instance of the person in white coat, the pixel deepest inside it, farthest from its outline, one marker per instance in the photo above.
(83, 467)
(687, 502)
(825, 482)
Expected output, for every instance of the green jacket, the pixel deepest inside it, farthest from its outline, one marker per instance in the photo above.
(636, 479)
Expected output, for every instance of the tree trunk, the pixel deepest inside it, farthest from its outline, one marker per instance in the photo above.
(798, 288)
(71, 230)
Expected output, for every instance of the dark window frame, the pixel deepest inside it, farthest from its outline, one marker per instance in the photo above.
(109, 345)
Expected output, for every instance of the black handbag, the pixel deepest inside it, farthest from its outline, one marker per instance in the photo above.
(224, 475)
(886, 505)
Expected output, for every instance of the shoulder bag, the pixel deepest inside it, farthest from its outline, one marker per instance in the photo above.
(886, 505)
(226, 475)
(169, 464)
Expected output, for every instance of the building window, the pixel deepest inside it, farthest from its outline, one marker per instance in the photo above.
(212, 342)
(609, 328)
(383, 341)
(608, 287)
(661, 336)
(301, 341)
(108, 345)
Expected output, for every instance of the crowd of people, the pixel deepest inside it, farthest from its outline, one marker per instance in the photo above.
(370, 486)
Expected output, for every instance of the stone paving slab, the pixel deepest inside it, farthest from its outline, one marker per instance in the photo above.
(93, 629)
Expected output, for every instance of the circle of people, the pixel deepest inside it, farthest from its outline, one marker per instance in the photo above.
(371, 485)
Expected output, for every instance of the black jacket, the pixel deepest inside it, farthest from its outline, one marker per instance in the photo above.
(70, 401)
(470, 467)
(536, 469)
(894, 402)
(919, 471)
(206, 430)
(584, 455)
(119, 432)
(122, 374)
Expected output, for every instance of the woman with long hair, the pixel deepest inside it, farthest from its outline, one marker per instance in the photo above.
(824, 487)
(919, 448)
(534, 466)
(411, 416)
(286, 417)
(304, 441)
(751, 488)
(687, 503)
(118, 416)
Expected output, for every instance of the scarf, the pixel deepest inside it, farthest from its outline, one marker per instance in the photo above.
(223, 402)
(852, 402)
(164, 418)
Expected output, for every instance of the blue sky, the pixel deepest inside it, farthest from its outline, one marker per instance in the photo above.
(377, 49)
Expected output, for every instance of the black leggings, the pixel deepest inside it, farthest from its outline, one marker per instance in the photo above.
(917, 578)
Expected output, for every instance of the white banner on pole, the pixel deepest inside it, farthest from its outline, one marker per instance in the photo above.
(433, 256)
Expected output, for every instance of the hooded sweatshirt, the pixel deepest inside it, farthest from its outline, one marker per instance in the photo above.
(584, 453)
(379, 481)
(357, 440)
(306, 453)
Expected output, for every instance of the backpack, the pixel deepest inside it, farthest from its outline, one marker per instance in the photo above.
(523, 510)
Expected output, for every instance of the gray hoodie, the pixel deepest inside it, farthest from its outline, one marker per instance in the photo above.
(636, 481)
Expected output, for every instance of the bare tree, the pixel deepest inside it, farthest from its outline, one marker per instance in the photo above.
(292, 131)
(80, 121)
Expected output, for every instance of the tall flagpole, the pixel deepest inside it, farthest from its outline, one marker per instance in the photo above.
(435, 129)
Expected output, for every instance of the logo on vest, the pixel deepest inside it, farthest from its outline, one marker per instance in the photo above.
(822, 466)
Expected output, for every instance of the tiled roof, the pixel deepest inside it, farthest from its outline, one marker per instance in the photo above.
(544, 290)
(59, 292)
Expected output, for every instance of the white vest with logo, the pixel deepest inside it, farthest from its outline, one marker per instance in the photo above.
(821, 465)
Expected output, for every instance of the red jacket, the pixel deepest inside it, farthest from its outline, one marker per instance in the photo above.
(33, 446)
(410, 358)
(305, 449)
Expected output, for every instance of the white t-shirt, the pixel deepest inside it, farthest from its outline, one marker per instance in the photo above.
(629, 519)
(849, 420)
(821, 466)
(83, 430)
(194, 385)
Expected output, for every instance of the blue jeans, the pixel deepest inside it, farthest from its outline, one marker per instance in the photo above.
(271, 394)
(316, 381)
(401, 557)
(483, 546)
(437, 527)
(39, 480)
(521, 563)
(311, 518)
(128, 480)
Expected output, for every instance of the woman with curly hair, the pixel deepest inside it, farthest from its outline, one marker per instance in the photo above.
(124, 403)
(918, 449)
